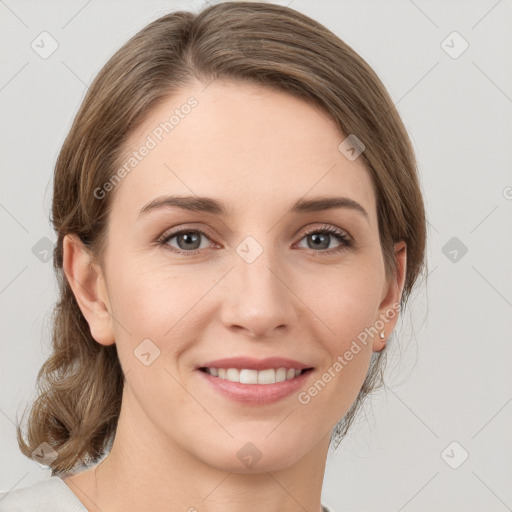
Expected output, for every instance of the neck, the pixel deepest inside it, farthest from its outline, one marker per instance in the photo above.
(143, 471)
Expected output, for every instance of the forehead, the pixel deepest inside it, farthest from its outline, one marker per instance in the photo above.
(244, 144)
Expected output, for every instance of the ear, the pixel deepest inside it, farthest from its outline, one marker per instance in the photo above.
(89, 287)
(392, 293)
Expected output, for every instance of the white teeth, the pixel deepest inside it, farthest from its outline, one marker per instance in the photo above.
(248, 377)
(245, 376)
(281, 374)
(233, 375)
(267, 376)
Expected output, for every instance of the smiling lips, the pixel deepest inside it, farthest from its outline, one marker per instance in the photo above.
(248, 376)
(254, 371)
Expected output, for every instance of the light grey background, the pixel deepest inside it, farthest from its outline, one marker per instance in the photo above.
(450, 379)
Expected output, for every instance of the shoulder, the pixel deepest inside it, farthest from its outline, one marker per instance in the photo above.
(49, 495)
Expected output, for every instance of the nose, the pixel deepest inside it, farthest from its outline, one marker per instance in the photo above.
(258, 297)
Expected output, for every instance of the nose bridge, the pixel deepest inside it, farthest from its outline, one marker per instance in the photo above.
(258, 299)
(257, 265)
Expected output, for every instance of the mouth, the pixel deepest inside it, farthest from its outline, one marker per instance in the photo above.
(250, 376)
(254, 382)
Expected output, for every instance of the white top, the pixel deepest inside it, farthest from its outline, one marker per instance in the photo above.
(50, 495)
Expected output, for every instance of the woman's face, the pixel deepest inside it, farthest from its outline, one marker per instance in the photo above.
(258, 280)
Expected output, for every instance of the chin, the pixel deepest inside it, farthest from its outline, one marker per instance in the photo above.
(255, 454)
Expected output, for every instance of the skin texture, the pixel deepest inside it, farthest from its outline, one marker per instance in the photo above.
(258, 151)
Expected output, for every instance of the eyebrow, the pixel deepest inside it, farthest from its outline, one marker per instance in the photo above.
(210, 205)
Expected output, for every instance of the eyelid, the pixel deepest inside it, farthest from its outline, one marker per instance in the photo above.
(329, 228)
(185, 227)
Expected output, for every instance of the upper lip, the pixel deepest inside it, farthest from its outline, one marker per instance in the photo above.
(254, 364)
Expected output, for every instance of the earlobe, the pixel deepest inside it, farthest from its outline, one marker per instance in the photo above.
(392, 295)
(88, 284)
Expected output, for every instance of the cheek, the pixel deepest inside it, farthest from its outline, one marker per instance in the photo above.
(347, 301)
(167, 303)
(349, 309)
(152, 330)
(151, 301)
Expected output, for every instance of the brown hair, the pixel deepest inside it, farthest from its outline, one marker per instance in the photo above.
(80, 385)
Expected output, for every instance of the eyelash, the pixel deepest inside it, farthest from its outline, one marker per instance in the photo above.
(341, 236)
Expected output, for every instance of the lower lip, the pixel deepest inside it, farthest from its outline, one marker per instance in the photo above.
(256, 393)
